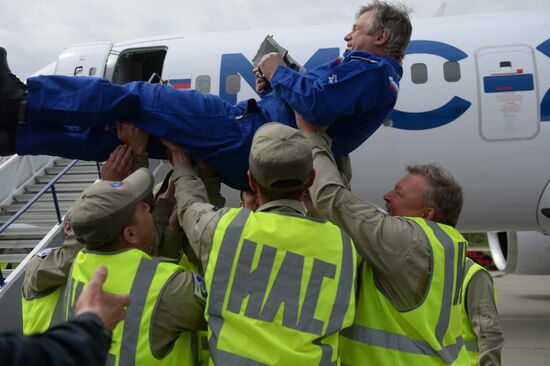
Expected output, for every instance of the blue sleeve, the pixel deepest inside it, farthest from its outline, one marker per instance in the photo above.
(332, 91)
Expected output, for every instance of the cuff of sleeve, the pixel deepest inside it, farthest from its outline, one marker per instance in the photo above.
(93, 317)
(280, 73)
(183, 170)
(140, 162)
(163, 209)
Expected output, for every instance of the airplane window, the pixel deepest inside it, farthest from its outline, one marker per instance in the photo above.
(202, 84)
(92, 71)
(419, 73)
(505, 64)
(451, 71)
(232, 84)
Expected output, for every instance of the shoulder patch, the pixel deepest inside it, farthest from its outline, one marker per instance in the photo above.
(44, 253)
(199, 287)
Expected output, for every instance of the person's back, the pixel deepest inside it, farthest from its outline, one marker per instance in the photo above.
(290, 293)
(280, 285)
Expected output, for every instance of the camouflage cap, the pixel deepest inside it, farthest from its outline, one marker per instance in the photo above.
(106, 207)
(280, 158)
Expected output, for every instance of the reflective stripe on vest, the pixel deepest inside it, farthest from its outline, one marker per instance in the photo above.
(452, 263)
(41, 313)
(238, 270)
(134, 272)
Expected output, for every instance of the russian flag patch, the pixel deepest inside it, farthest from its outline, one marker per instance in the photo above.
(180, 83)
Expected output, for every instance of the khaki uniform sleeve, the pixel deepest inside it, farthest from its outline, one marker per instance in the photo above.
(139, 162)
(483, 315)
(213, 191)
(168, 243)
(178, 310)
(396, 248)
(45, 274)
(197, 217)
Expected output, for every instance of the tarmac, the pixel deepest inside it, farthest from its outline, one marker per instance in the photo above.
(524, 308)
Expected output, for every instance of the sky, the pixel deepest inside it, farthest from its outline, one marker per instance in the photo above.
(35, 32)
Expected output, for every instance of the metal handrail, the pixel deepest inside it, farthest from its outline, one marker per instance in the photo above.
(35, 198)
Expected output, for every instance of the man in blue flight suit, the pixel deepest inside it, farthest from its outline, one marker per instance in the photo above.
(73, 116)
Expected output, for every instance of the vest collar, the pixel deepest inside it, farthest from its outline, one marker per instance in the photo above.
(283, 205)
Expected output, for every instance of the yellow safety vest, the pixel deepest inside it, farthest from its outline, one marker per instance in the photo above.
(470, 338)
(131, 272)
(280, 288)
(203, 351)
(40, 313)
(430, 333)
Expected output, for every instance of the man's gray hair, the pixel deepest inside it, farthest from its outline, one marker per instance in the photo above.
(444, 194)
(394, 19)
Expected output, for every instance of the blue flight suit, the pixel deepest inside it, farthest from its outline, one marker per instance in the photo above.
(73, 117)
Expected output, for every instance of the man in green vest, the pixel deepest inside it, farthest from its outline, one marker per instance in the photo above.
(280, 285)
(116, 228)
(480, 323)
(408, 310)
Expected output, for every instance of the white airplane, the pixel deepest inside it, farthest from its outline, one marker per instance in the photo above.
(475, 96)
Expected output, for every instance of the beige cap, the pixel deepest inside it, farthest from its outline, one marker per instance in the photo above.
(106, 207)
(280, 158)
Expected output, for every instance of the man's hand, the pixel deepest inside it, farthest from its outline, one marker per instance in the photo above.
(133, 136)
(109, 307)
(176, 154)
(117, 167)
(305, 126)
(269, 63)
(262, 85)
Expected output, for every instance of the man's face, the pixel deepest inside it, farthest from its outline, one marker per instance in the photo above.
(142, 225)
(359, 38)
(406, 198)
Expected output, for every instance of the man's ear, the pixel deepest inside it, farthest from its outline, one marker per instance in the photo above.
(429, 213)
(252, 181)
(382, 37)
(310, 180)
(129, 236)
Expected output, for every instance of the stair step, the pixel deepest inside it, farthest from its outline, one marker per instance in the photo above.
(73, 170)
(29, 233)
(12, 258)
(18, 244)
(6, 272)
(30, 215)
(26, 197)
(73, 178)
(65, 162)
(39, 206)
(45, 220)
(60, 187)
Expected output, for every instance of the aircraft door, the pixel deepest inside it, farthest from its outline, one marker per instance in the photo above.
(84, 59)
(508, 105)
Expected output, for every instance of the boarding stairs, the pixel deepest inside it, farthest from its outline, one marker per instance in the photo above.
(18, 240)
(35, 194)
